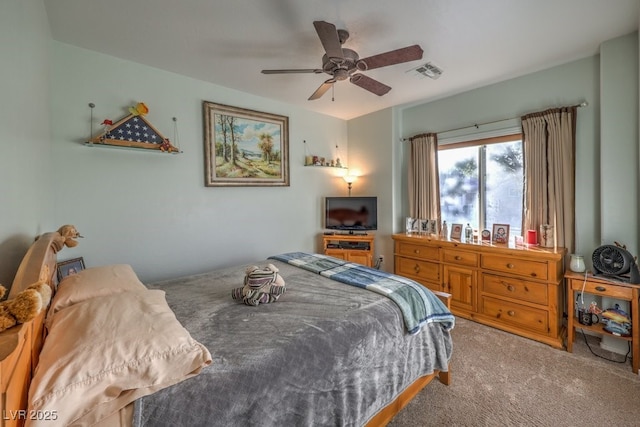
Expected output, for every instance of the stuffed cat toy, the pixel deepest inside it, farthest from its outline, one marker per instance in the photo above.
(261, 285)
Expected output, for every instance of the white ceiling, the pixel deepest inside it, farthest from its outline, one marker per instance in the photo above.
(475, 42)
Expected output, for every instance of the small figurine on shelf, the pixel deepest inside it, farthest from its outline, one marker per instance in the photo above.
(106, 125)
(338, 164)
(167, 147)
(140, 109)
(444, 231)
(593, 308)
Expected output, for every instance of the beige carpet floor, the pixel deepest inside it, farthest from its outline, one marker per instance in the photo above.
(500, 379)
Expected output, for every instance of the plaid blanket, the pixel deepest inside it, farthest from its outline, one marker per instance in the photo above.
(418, 304)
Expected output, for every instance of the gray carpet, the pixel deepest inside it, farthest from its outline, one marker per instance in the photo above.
(500, 379)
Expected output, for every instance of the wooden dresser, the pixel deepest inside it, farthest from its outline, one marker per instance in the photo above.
(518, 290)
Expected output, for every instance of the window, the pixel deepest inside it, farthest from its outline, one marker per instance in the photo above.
(481, 182)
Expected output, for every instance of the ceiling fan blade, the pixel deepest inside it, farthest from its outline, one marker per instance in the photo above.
(302, 70)
(322, 89)
(369, 84)
(330, 40)
(398, 56)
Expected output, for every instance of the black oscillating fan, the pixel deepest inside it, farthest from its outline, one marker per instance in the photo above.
(615, 262)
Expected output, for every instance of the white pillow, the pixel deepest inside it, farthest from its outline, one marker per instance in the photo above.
(103, 353)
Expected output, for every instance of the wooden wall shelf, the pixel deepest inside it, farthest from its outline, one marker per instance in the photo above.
(124, 147)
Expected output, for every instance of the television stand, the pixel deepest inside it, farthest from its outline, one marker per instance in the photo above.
(356, 248)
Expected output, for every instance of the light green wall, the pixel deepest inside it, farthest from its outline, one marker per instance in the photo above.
(152, 210)
(619, 142)
(568, 84)
(371, 154)
(26, 203)
(564, 85)
(606, 134)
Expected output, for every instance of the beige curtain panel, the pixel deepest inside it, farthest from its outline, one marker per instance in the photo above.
(424, 181)
(549, 172)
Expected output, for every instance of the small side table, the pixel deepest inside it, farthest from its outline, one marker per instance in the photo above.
(607, 288)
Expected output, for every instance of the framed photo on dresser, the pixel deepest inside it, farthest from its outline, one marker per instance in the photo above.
(456, 231)
(500, 233)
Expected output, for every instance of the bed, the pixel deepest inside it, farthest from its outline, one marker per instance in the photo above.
(326, 353)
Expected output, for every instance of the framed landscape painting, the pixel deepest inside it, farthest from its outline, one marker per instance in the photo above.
(245, 147)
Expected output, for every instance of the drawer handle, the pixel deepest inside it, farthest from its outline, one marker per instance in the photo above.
(458, 257)
(601, 288)
(511, 313)
(510, 288)
(510, 265)
(416, 251)
(416, 268)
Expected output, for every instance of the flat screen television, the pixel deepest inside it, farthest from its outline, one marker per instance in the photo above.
(352, 214)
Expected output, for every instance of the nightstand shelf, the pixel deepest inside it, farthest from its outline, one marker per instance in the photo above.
(579, 282)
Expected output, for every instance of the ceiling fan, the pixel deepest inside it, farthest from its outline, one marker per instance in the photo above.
(342, 63)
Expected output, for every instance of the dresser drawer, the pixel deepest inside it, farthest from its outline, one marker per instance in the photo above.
(417, 251)
(520, 267)
(421, 269)
(457, 257)
(515, 288)
(516, 315)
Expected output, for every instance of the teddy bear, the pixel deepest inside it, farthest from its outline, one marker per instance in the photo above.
(69, 234)
(261, 285)
(24, 306)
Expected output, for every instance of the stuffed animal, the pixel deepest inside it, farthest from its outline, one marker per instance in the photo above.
(25, 306)
(261, 285)
(69, 233)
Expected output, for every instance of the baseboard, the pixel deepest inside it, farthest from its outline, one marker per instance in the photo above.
(614, 345)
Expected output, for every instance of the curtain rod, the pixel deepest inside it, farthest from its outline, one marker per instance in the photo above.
(477, 125)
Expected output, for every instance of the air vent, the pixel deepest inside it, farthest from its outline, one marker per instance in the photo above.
(428, 70)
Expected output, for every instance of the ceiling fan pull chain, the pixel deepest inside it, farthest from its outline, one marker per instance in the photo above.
(333, 85)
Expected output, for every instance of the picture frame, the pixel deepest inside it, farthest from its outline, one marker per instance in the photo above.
(424, 226)
(456, 231)
(412, 225)
(500, 233)
(69, 267)
(245, 147)
(485, 235)
(433, 226)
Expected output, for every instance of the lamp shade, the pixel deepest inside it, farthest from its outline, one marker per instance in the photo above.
(350, 178)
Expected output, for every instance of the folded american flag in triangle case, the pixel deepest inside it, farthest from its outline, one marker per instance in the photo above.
(131, 131)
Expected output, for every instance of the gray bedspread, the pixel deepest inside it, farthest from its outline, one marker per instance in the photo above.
(324, 354)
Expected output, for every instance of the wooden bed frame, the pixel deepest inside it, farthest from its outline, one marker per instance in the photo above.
(20, 346)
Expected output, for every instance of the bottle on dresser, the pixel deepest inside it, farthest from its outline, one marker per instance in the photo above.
(468, 233)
